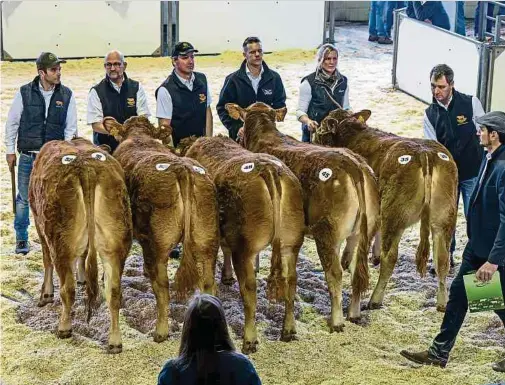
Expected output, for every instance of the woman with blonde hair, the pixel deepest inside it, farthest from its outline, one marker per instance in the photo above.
(322, 91)
(207, 355)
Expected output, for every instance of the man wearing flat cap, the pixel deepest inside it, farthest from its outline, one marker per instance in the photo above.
(42, 110)
(183, 99)
(485, 250)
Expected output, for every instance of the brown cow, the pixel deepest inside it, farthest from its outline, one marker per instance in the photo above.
(80, 206)
(260, 203)
(340, 199)
(172, 198)
(417, 181)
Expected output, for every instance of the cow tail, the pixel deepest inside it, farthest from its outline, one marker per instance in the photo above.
(88, 183)
(361, 276)
(276, 283)
(187, 276)
(423, 249)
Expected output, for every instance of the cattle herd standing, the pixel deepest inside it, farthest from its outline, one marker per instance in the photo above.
(356, 183)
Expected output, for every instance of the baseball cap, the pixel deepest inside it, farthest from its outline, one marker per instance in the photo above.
(48, 60)
(494, 121)
(183, 48)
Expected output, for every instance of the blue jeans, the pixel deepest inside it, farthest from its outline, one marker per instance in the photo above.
(465, 188)
(305, 134)
(390, 7)
(376, 19)
(22, 217)
(490, 12)
(457, 305)
(460, 18)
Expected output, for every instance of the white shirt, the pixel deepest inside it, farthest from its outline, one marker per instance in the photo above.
(164, 105)
(254, 81)
(306, 96)
(95, 110)
(16, 110)
(429, 130)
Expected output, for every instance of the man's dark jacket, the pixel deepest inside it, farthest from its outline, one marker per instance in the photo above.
(486, 216)
(238, 89)
(430, 10)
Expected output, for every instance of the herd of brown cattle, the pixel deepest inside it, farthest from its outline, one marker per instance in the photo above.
(355, 184)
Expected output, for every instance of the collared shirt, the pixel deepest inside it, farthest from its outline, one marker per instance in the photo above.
(306, 96)
(429, 130)
(16, 110)
(164, 105)
(95, 110)
(255, 81)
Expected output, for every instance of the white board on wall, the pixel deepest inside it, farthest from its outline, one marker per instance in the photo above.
(217, 26)
(422, 46)
(80, 28)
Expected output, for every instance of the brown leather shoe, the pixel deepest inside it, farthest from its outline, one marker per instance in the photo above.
(423, 358)
(499, 366)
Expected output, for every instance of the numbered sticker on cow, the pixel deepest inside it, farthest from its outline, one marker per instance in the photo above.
(325, 174)
(162, 166)
(247, 167)
(404, 159)
(443, 156)
(99, 156)
(277, 162)
(199, 170)
(68, 159)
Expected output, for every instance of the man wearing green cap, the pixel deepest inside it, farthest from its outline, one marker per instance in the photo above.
(42, 110)
(485, 250)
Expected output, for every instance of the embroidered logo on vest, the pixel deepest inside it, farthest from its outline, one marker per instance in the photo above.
(203, 98)
(267, 92)
(461, 119)
(130, 102)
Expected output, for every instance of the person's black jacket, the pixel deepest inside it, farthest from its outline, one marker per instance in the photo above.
(486, 216)
(238, 89)
(430, 10)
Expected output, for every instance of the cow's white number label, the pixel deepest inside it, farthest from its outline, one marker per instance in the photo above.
(99, 156)
(247, 167)
(277, 162)
(325, 174)
(443, 156)
(68, 159)
(404, 159)
(199, 170)
(162, 166)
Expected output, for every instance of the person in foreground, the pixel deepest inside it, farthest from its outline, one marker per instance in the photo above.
(207, 354)
(485, 250)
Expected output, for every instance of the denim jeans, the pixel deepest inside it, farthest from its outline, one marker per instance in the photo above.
(390, 7)
(460, 18)
(376, 19)
(22, 217)
(457, 305)
(305, 134)
(465, 188)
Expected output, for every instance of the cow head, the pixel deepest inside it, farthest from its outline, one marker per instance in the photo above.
(237, 112)
(135, 126)
(339, 118)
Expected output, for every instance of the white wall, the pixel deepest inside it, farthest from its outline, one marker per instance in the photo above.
(216, 26)
(498, 92)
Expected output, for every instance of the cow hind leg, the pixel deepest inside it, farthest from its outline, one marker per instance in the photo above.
(376, 250)
(354, 312)
(67, 294)
(227, 271)
(47, 292)
(113, 268)
(80, 267)
(441, 242)
(289, 257)
(350, 246)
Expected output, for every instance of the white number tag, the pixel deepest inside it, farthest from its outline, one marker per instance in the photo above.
(99, 156)
(443, 156)
(162, 166)
(404, 159)
(68, 159)
(325, 174)
(278, 163)
(247, 167)
(199, 170)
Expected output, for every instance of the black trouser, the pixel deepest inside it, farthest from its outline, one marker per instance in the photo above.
(458, 305)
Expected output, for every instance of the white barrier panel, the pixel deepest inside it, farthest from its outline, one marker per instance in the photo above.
(80, 28)
(422, 46)
(498, 92)
(217, 26)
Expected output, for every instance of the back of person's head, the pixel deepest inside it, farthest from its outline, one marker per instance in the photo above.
(204, 333)
(442, 70)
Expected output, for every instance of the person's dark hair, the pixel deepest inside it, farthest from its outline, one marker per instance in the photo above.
(205, 332)
(501, 135)
(442, 70)
(250, 40)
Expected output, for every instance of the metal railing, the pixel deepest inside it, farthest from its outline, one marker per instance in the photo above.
(499, 21)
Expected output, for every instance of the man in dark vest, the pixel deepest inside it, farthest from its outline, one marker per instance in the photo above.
(183, 99)
(253, 82)
(116, 95)
(485, 251)
(42, 110)
(450, 119)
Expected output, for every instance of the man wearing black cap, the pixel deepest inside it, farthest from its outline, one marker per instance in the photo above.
(485, 250)
(183, 99)
(253, 82)
(117, 96)
(42, 110)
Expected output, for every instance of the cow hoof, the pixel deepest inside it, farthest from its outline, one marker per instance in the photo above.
(337, 328)
(441, 308)
(250, 347)
(45, 299)
(160, 337)
(62, 334)
(375, 260)
(228, 281)
(374, 306)
(355, 320)
(288, 336)
(115, 349)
